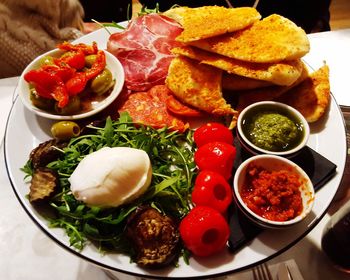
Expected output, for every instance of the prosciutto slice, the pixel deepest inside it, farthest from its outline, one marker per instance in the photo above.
(144, 49)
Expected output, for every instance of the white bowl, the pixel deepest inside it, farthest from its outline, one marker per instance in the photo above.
(273, 163)
(112, 63)
(283, 109)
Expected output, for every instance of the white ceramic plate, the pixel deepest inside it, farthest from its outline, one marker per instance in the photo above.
(26, 130)
(112, 63)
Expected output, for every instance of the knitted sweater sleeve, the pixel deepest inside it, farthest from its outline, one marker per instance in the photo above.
(30, 28)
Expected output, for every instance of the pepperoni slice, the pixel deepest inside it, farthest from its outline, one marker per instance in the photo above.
(150, 108)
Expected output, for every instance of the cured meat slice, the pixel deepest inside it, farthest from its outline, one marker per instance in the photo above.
(150, 109)
(144, 49)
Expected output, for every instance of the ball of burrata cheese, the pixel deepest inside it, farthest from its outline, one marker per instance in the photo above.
(111, 177)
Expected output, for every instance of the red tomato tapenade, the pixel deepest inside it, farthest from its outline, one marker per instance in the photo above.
(273, 195)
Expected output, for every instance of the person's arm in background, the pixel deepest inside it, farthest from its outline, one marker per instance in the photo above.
(39, 25)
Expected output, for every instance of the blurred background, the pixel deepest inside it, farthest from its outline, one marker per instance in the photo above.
(340, 13)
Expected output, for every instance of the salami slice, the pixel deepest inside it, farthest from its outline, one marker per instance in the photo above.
(144, 49)
(150, 109)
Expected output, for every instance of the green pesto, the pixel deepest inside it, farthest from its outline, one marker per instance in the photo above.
(273, 131)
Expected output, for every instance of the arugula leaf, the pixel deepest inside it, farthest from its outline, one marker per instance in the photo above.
(173, 169)
(27, 169)
(145, 10)
(108, 132)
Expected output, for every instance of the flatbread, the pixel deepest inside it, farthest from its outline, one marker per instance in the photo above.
(267, 93)
(177, 13)
(198, 85)
(235, 82)
(208, 21)
(311, 97)
(281, 73)
(272, 39)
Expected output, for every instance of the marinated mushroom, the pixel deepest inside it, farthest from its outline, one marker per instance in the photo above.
(43, 184)
(46, 152)
(154, 236)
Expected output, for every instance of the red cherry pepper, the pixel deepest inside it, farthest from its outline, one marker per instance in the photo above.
(216, 156)
(212, 190)
(211, 132)
(204, 231)
(86, 49)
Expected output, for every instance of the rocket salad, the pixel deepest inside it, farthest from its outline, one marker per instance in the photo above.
(173, 168)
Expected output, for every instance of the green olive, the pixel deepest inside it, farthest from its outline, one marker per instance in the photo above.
(65, 130)
(41, 102)
(90, 59)
(66, 54)
(73, 106)
(102, 82)
(46, 60)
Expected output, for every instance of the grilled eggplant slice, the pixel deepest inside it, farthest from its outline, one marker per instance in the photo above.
(154, 236)
(43, 184)
(46, 152)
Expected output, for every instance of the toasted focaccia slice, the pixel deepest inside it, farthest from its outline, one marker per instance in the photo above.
(198, 85)
(208, 21)
(272, 39)
(235, 82)
(311, 97)
(248, 97)
(282, 73)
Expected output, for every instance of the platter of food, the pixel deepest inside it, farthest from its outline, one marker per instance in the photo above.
(71, 216)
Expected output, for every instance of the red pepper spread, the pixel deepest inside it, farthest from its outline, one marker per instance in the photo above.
(273, 195)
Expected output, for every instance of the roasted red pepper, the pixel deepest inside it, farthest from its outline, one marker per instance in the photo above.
(216, 156)
(204, 231)
(65, 77)
(97, 67)
(76, 84)
(60, 94)
(212, 190)
(49, 85)
(178, 108)
(86, 49)
(74, 59)
(64, 72)
(211, 132)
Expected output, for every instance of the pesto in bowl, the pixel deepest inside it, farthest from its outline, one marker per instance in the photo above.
(272, 128)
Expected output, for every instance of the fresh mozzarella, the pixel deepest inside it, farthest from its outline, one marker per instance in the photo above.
(110, 177)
